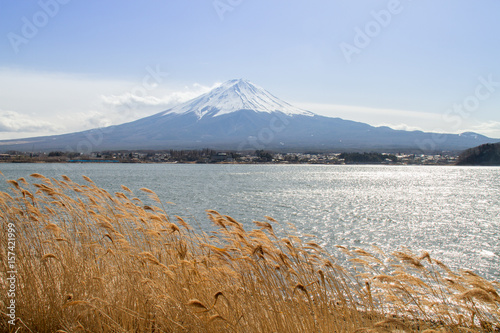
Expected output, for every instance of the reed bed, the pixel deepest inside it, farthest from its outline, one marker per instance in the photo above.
(91, 261)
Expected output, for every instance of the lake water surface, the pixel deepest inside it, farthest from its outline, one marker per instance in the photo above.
(452, 212)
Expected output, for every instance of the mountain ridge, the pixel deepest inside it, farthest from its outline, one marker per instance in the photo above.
(240, 115)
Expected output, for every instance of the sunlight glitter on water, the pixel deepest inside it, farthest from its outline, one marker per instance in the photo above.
(452, 212)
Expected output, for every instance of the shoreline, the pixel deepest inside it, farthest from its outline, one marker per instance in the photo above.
(219, 163)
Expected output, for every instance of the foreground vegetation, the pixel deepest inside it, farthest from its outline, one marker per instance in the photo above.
(90, 261)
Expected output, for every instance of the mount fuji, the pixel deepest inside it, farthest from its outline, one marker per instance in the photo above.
(233, 96)
(239, 115)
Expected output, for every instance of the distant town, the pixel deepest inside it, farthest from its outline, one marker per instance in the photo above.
(212, 156)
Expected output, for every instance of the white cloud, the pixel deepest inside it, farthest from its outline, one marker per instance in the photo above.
(55, 103)
(126, 107)
(11, 121)
(402, 127)
(336, 110)
(488, 128)
(407, 120)
(166, 100)
(88, 120)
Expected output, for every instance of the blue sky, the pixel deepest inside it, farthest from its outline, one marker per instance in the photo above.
(68, 65)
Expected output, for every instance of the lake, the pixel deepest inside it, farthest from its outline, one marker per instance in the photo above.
(452, 212)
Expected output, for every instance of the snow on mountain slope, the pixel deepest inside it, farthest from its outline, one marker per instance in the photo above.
(239, 115)
(235, 95)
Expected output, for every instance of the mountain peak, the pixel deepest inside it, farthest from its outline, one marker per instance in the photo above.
(236, 82)
(235, 95)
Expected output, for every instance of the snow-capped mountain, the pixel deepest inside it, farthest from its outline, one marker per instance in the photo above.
(240, 115)
(235, 95)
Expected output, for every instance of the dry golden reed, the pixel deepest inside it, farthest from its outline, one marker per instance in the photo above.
(89, 261)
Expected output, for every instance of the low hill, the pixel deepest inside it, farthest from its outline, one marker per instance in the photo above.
(487, 154)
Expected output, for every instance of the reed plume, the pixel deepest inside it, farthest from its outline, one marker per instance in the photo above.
(89, 261)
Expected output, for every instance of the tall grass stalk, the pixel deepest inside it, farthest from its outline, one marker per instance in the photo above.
(91, 261)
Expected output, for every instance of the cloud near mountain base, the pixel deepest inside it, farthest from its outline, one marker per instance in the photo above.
(11, 121)
(134, 101)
